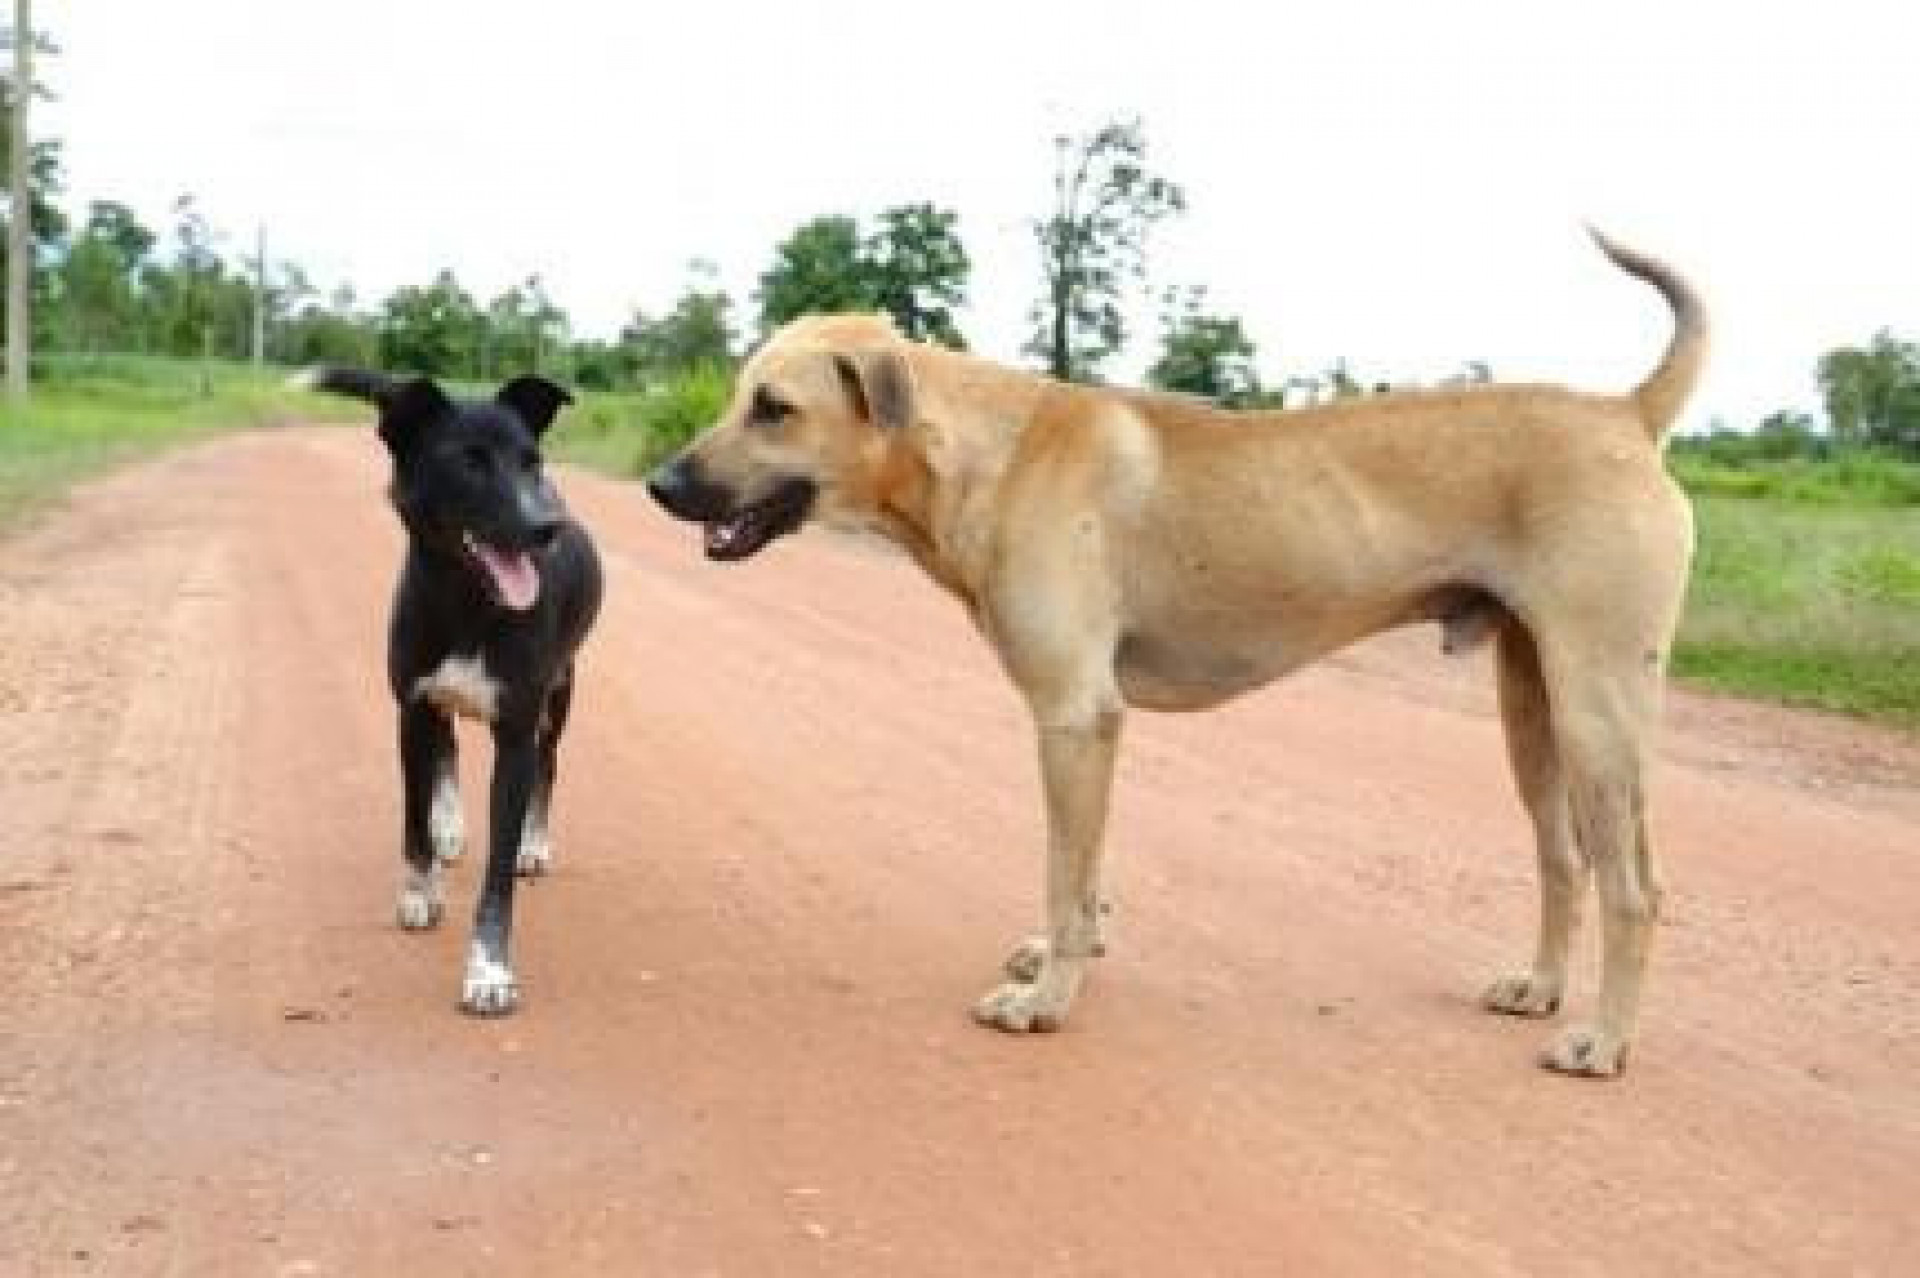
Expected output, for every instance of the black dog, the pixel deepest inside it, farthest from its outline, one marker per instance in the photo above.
(498, 590)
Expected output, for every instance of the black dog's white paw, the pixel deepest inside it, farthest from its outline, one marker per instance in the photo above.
(420, 904)
(489, 989)
(536, 852)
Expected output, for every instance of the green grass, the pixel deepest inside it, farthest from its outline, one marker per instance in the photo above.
(627, 432)
(87, 415)
(1850, 479)
(1807, 601)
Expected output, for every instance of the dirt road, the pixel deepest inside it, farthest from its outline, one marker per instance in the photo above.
(796, 830)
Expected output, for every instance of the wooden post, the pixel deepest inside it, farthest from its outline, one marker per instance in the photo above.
(20, 224)
(260, 298)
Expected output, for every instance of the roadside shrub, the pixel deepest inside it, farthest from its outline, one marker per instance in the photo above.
(675, 411)
(1850, 478)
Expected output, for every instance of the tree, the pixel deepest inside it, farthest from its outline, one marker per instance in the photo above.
(696, 333)
(520, 331)
(918, 270)
(333, 333)
(46, 178)
(1204, 354)
(194, 303)
(1873, 393)
(913, 268)
(435, 329)
(99, 280)
(1093, 244)
(819, 269)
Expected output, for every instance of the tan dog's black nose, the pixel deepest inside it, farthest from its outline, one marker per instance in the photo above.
(685, 493)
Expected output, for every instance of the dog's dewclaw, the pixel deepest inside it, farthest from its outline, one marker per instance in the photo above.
(1522, 994)
(1585, 1053)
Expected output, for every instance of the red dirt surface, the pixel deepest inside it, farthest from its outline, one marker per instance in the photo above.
(796, 830)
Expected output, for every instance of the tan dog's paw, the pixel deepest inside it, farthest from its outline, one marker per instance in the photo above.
(1586, 1053)
(1523, 994)
(1022, 1007)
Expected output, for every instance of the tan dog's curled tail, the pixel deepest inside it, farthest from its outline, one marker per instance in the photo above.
(1662, 395)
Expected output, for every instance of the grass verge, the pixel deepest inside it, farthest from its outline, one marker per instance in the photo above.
(1811, 603)
(87, 415)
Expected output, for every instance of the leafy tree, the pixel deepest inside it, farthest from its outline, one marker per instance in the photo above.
(333, 333)
(598, 365)
(521, 330)
(696, 333)
(913, 267)
(1093, 244)
(1205, 354)
(433, 329)
(1788, 432)
(819, 269)
(100, 303)
(918, 268)
(1873, 392)
(196, 306)
(45, 179)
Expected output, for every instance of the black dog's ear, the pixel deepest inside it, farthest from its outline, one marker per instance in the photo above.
(407, 406)
(534, 399)
(880, 385)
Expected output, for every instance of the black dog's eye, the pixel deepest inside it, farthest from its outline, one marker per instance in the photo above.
(529, 460)
(769, 409)
(476, 459)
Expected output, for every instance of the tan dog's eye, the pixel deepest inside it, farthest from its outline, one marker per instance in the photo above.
(768, 409)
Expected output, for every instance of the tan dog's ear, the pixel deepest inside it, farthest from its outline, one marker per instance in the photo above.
(881, 387)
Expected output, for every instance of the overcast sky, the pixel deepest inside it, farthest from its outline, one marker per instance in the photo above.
(1402, 184)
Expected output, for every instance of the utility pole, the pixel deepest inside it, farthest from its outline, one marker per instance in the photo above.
(260, 298)
(20, 224)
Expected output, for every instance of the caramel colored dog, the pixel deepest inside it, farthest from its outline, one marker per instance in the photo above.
(1119, 548)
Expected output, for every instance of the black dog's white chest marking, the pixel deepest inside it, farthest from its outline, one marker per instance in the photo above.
(461, 685)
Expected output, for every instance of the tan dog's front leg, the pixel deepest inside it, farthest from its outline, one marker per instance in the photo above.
(1076, 766)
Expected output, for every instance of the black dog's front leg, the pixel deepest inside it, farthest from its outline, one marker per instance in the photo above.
(490, 988)
(426, 762)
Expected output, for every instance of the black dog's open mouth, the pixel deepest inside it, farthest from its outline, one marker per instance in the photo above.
(751, 527)
(511, 574)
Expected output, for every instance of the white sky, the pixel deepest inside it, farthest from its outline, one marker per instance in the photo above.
(1399, 183)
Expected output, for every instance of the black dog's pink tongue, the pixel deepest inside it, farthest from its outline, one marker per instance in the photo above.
(513, 573)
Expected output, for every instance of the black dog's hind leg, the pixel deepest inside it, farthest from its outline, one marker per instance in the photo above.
(426, 777)
(490, 989)
(536, 837)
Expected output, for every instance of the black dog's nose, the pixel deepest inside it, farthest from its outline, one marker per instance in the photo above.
(547, 531)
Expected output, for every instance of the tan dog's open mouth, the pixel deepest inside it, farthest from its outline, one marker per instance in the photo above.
(749, 529)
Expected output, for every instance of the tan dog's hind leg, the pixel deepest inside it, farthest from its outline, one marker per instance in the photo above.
(1537, 774)
(1076, 764)
(1600, 718)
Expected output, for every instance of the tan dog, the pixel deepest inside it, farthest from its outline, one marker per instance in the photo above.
(1119, 548)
